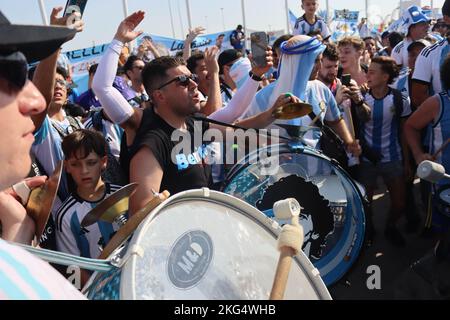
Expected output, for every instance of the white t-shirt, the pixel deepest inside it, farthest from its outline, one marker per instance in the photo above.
(26, 277)
(400, 52)
(428, 64)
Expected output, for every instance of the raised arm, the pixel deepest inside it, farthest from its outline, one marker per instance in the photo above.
(193, 33)
(240, 102)
(214, 101)
(116, 106)
(44, 76)
(421, 118)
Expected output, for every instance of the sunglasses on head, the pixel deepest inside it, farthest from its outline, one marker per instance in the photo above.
(14, 68)
(182, 80)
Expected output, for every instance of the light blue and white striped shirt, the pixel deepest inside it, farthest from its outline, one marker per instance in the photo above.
(26, 277)
(302, 26)
(381, 132)
(71, 237)
(441, 132)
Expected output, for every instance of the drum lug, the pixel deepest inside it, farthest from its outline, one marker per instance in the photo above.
(133, 250)
(206, 192)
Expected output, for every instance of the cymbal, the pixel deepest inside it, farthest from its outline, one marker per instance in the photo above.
(292, 110)
(133, 222)
(40, 203)
(111, 207)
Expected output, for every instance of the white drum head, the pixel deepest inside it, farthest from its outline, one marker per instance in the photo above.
(206, 245)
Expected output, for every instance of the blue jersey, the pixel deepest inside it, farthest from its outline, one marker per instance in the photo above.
(441, 132)
(381, 132)
(302, 26)
(26, 277)
(71, 237)
(402, 82)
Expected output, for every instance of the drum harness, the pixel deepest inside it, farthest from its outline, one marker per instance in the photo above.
(84, 263)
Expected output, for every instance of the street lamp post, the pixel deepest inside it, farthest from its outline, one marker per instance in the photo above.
(223, 20)
(243, 22)
(188, 9)
(43, 14)
(125, 8)
(171, 19)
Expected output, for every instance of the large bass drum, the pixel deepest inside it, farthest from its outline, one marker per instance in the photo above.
(333, 216)
(204, 245)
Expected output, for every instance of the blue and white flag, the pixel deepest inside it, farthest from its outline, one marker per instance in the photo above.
(292, 19)
(82, 59)
(345, 23)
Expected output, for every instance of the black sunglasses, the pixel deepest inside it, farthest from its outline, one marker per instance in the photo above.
(14, 68)
(182, 80)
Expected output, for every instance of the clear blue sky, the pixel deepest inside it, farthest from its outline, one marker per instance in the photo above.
(103, 16)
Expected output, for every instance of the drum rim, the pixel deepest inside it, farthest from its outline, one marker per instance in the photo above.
(309, 270)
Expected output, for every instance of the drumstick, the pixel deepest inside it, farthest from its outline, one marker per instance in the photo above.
(350, 119)
(131, 225)
(289, 243)
(316, 118)
(442, 148)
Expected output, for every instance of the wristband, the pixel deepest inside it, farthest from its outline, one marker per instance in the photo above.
(23, 191)
(255, 77)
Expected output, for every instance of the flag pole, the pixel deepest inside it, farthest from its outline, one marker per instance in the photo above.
(188, 9)
(288, 24)
(43, 14)
(243, 22)
(125, 8)
(171, 19)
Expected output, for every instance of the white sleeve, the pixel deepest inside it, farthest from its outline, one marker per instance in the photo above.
(397, 54)
(239, 104)
(325, 30)
(116, 106)
(423, 69)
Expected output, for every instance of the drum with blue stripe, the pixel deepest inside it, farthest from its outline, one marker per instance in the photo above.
(333, 216)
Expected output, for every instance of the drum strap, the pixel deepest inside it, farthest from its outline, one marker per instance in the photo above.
(68, 259)
(223, 124)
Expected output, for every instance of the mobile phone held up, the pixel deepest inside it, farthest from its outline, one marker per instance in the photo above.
(259, 44)
(73, 6)
(346, 78)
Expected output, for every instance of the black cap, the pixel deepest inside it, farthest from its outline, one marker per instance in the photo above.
(385, 34)
(228, 56)
(35, 42)
(446, 8)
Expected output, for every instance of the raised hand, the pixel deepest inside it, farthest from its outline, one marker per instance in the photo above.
(193, 33)
(17, 225)
(73, 21)
(260, 71)
(211, 59)
(126, 31)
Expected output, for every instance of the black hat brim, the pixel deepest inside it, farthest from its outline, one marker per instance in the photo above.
(35, 42)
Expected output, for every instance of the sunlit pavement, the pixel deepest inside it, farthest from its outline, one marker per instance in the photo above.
(392, 261)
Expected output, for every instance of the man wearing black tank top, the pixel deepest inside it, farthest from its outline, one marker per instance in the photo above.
(156, 161)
